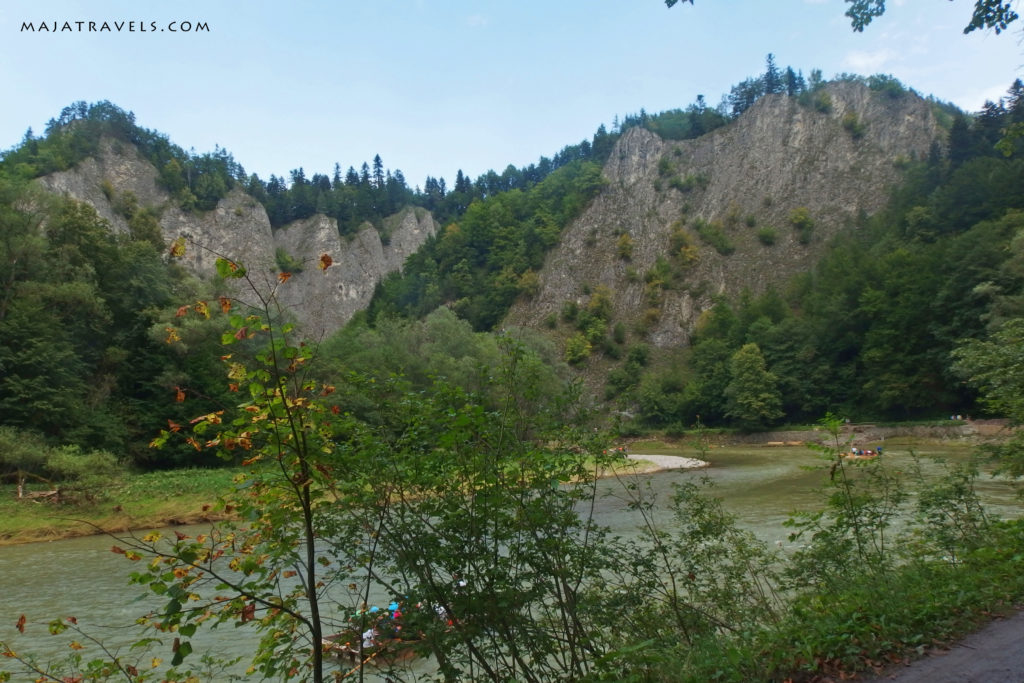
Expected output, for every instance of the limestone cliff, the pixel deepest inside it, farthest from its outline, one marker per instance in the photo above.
(238, 227)
(736, 187)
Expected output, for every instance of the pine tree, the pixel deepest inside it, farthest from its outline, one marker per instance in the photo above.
(772, 78)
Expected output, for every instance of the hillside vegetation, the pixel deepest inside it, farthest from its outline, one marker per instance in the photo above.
(843, 311)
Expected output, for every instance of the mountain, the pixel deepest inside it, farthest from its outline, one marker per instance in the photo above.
(118, 182)
(676, 225)
(682, 224)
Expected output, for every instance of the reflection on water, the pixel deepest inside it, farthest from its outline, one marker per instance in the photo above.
(81, 577)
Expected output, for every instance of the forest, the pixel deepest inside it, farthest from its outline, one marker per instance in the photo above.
(869, 333)
(426, 442)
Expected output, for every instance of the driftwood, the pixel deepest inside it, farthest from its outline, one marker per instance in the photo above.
(48, 496)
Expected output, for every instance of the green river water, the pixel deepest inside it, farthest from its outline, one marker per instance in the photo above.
(81, 577)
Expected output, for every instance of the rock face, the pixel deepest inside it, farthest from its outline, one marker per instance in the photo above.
(743, 182)
(238, 228)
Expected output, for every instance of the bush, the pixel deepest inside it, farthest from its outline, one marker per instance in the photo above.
(767, 236)
(714, 234)
(624, 246)
(853, 125)
(800, 219)
(577, 349)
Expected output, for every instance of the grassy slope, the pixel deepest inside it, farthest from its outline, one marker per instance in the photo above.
(148, 500)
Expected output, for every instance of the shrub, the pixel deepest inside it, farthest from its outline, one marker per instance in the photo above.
(853, 125)
(767, 236)
(800, 219)
(690, 182)
(714, 234)
(577, 349)
(286, 263)
(624, 246)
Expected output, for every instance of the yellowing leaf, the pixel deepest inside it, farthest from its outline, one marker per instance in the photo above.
(225, 304)
(172, 335)
(75, 645)
(178, 247)
(202, 309)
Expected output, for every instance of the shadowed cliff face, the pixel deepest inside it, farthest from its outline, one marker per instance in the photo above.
(718, 211)
(238, 228)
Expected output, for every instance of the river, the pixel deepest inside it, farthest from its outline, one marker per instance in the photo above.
(83, 578)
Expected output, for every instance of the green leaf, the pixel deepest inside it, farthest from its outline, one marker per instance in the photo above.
(229, 269)
(183, 650)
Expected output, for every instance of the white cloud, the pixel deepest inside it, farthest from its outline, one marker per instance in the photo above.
(863, 62)
(974, 99)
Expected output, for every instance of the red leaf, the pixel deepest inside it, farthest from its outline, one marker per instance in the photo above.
(249, 612)
(182, 312)
(173, 426)
(284, 277)
(325, 261)
(225, 304)
(179, 394)
(21, 624)
(117, 549)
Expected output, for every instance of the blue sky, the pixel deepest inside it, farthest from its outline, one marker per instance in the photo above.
(437, 85)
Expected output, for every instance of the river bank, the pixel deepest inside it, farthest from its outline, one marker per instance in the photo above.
(136, 501)
(166, 499)
(169, 499)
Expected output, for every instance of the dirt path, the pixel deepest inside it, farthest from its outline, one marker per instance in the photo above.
(995, 654)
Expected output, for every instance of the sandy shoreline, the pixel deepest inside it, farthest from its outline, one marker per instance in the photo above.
(668, 462)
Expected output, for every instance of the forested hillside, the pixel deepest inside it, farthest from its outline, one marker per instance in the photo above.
(95, 349)
(870, 330)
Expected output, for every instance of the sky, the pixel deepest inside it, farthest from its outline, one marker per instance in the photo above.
(434, 86)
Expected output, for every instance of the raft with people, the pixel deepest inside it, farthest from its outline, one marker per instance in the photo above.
(375, 636)
(863, 454)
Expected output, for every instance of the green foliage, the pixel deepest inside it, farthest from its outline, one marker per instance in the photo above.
(821, 102)
(624, 246)
(286, 263)
(477, 265)
(853, 125)
(714, 234)
(752, 396)
(800, 219)
(75, 301)
(691, 182)
(994, 365)
(767, 236)
(577, 349)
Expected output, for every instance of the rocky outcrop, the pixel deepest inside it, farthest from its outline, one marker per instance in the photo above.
(326, 299)
(836, 160)
(322, 300)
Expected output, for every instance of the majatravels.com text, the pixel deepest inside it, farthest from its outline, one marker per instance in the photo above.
(114, 27)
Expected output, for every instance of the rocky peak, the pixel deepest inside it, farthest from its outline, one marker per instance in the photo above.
(746, 206)
(238, 228)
